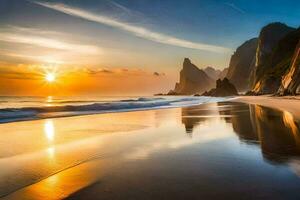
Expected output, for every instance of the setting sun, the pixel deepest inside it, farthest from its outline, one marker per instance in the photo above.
(50, 77)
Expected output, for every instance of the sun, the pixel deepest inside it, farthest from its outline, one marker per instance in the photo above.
(50, 77)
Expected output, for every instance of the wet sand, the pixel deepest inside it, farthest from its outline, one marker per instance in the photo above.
(226, 150)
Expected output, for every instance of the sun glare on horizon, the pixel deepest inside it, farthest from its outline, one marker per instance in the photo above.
(50, 77)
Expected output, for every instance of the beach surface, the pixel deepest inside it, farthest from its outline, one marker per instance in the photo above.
(288, 103)
(224, 150)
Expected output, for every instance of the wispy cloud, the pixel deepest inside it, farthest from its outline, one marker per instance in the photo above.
(29, 57)
(35, 31)
(118, 72)
(135, 30)
(48, 43)
(236, 8)
(98, 71)
(119, 6)
(34, 44)
(18, 73)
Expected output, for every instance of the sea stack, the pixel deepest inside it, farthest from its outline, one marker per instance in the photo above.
(192, 80)
(223, 88)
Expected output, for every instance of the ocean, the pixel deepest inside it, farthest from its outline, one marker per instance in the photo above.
(22, 108)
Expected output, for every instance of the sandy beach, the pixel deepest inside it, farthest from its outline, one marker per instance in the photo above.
(288, 103)
(214, 150)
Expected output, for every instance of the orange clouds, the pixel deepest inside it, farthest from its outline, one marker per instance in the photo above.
(30, 80)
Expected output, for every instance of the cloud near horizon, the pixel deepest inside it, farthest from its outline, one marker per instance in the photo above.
(121, 71)
(158, 74)
(138, 31)
(36, 72)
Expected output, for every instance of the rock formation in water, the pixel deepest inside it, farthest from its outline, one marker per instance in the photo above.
(241, 65)
(223, 88)
(192, 80)
(264, 78)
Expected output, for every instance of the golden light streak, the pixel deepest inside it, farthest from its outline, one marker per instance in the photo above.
(49, 130)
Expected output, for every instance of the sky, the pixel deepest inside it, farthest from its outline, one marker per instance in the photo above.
(120, 47)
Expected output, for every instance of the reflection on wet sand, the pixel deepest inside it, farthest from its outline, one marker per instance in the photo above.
(275, 131)
(194, 116)
(240, 120)
(161, 153)
(49, 130)
(278, 133)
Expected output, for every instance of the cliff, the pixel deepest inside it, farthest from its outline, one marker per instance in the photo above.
(268, 64)
(291, 80)
(241, 64)
(263, 77)
(192, 80)
(278, 64)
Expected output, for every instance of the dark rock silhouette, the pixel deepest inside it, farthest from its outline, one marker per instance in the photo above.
(172, 92)
(241, 65)
(223, 88)
(192, 80)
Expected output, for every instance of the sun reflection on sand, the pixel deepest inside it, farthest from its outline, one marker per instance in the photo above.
(51, 152)
(49, 130)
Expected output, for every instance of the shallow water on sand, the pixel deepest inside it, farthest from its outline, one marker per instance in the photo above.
(211, 151)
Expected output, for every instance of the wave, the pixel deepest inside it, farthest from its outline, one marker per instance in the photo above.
(30, 113)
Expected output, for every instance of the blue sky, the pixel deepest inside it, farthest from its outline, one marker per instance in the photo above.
(151, 35)
(213, 22)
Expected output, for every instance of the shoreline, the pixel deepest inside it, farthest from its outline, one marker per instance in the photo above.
(286, 103)
(12, 115)
(290, 104)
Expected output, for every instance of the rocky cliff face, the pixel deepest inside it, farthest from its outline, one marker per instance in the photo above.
(268, 38)
(241, 65)
(291, 80)
(268, 41)
(268, 64)
(192, 80)
(278, 63)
